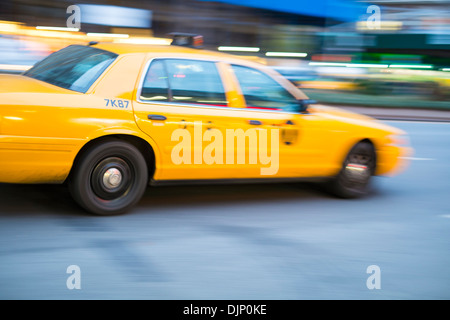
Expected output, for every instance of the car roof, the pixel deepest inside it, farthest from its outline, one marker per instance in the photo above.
(124, 48)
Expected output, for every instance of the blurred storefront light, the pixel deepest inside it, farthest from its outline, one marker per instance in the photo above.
(349, 65)
(57, 28)
(14, 67)
(115, 16)
(287, 54)
(411, 66)
(9, 26)
(239, 49)
(144, 40)
(372, 65)
(382, 26)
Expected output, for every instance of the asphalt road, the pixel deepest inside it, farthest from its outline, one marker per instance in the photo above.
(280, 241)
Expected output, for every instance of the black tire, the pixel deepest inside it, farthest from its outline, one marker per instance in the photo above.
(109, 178)
(353, 180)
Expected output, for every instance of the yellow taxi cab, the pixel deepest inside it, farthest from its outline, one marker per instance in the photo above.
(110, 119)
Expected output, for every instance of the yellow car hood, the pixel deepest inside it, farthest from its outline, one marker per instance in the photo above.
(340, 112)
(350, 117)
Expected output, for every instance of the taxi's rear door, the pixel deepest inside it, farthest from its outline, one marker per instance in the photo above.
(186, 106)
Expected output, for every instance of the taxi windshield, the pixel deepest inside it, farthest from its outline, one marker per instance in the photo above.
(75, 67)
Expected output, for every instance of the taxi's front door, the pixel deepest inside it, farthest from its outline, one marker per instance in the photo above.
(275, 110)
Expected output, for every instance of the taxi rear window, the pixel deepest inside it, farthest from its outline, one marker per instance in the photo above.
(74, 67)
(183, 81)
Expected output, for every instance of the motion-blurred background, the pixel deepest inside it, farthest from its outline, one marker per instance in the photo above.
(282, 241)
(383, 53)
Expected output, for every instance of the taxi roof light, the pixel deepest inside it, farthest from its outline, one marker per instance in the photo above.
(190, 40)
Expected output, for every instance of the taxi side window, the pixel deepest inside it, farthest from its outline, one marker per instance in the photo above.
(156, 85)
(262, 92)
(184, 81)
(193, 81)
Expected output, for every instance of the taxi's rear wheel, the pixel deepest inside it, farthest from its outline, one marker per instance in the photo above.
(357, 170)
(109, 178)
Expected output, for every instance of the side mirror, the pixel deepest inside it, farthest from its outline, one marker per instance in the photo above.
(303, 105)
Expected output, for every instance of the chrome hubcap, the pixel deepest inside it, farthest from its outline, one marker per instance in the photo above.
(112, 178)
(357, 172)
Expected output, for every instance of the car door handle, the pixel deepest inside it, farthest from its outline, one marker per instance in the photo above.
(183, 124)
(156, 117)
(255, 122)
(289, 123)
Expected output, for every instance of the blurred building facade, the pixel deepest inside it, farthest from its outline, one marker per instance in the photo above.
(419, 28)
(219, 23)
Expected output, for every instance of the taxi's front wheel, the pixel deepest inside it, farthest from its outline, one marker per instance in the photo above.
(357, 170)
(109, 178)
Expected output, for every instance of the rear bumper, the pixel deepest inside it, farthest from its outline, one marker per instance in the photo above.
(36, 160)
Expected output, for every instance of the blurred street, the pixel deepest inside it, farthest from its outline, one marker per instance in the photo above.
(274, 241)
